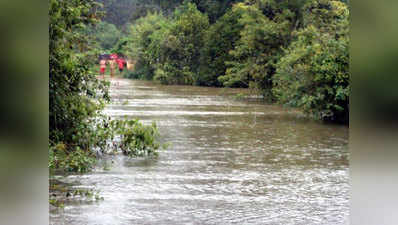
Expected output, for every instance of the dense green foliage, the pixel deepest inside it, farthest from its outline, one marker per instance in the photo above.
(77, 126)
(72, 89)
(214, 9)
(168, 50)
(123, 12)
(141, 42)
(219, 40)
(106, 35)
(267, 28)
(137, 139)
(294, 52)
(175, 50)
(313, 74)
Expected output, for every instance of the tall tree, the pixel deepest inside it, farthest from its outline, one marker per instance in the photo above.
(219, 40)
(314, 72)
(267, 30)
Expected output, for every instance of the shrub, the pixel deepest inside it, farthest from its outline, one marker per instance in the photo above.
(219, 40)
(314, 73)
(267, 26)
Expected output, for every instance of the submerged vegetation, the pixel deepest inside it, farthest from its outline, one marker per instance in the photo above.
(292, 52)
(62, 193)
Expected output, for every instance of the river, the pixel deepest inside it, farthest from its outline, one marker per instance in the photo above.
(230, 161)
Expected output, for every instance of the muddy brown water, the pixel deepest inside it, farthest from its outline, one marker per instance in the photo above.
(230, 161)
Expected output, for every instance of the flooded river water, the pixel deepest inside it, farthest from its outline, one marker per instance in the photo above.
(230, 162)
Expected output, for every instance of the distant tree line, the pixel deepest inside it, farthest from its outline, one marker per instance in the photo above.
(123, 12)
(294, 52)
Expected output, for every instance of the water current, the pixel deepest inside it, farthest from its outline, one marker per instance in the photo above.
(230, 161)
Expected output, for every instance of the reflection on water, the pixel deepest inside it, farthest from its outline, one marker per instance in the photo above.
(230, 162)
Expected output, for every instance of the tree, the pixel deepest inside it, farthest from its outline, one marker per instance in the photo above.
(291, 51)
(314, 73)
(179, 46)
(141, 40)
(122, 12)
(218, 42)
(267, 28)
(106, 35)
(72, 88)
(214, 9)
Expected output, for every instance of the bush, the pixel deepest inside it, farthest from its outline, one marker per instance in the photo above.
(72, 160)
(314, 73)
(138, 139)
(169, 49)
(267, 26)
(180, 44)
(219, 40)
(141, 40)
(105, 34)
